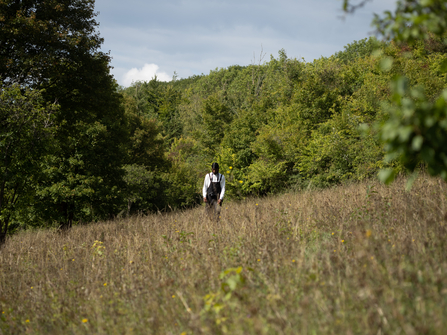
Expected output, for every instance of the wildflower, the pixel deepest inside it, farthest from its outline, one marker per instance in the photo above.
(293, 261)
(84, 320)
(173, 296)
(372, 257)
(32, 287)
(73, 260)
(342, 241)
(256, 204)
(259, 260)
(231, 167)
(27, 320)
(105, 284)
(368, 233)
(240, 181)
(335, 250)
(228, 171)
(332, 233)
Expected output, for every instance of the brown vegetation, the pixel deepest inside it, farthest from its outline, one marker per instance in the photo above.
(357, 259)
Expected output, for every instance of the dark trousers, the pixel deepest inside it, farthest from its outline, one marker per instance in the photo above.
(212, 209)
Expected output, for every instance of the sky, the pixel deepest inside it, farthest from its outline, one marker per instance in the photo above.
(192, 37)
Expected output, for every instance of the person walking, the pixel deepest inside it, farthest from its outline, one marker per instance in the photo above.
(213, 191)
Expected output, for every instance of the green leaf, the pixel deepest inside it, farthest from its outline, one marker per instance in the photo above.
(443, 67)
(386, 63)
(232, 282)
(411, 180)
(387, 175)
(416, 144)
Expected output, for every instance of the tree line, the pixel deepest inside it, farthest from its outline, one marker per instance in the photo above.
(76, 147)
(287, 123)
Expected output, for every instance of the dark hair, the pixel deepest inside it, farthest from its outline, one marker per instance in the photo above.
(215, 166)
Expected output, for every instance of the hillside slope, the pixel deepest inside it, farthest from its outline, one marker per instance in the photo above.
(357, 259)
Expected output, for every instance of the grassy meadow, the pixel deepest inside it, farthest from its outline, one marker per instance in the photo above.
(356, 259)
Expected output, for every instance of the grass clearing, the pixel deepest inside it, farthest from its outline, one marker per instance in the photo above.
(356, 259)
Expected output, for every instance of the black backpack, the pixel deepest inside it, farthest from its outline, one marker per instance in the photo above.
(213, 191)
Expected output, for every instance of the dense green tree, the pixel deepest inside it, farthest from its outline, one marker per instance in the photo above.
(216, 117)
(184, 180)
(416, 130)
(169, 115)
(54, 45)
(160, 101)
(145, 163)
(44, 42)
(83, 175)
(359, 49)
(145, 143)
(239, 137)
(26, 134)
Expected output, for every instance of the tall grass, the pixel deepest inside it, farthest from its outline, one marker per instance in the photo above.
(357, 259)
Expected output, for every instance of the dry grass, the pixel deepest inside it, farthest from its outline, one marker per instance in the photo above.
(349, 260)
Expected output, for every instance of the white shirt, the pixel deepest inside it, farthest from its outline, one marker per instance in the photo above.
(215, 178)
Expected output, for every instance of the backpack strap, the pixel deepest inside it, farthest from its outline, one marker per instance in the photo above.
(218, 179)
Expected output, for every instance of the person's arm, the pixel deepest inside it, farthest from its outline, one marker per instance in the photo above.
(205, 186)
(222, 187)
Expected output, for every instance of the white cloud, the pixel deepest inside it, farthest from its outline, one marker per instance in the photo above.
(186, 36)
(146, 73)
